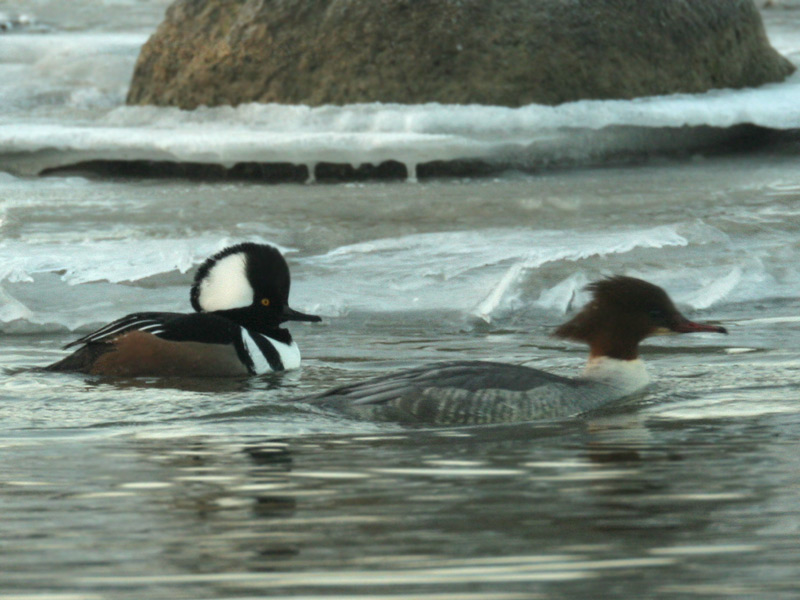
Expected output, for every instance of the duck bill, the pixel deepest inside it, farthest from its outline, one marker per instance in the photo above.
(687, 326)
(290, 314)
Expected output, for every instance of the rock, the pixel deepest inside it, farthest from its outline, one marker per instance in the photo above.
(499, 52)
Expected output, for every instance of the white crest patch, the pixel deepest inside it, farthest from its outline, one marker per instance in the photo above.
(225, 286)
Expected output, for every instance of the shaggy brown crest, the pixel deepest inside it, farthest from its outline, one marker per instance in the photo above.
(623, 311)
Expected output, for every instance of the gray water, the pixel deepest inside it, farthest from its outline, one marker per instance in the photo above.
(228, 489)
(162, 488)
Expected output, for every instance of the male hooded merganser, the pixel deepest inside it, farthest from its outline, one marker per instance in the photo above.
(623, 311)
(241, 297)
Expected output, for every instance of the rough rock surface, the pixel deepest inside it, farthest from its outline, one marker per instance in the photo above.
(501, 52)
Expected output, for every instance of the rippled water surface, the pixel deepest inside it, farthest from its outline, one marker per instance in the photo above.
(227, 488)
(162, 488)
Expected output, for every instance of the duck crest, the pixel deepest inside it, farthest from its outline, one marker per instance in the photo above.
(622, 312)
(240, 297)
(226, 280)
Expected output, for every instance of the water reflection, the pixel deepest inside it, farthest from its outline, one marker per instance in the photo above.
(554, 509)
(543, 509)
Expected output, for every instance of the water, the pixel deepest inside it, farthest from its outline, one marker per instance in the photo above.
(70, 111)
(226, 489)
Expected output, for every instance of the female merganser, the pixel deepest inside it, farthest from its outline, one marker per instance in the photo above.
(241, 297)
(623, 311)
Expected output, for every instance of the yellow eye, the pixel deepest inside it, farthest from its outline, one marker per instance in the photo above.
(265, 302)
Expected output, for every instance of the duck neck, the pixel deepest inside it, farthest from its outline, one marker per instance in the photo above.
(627, 376)
(254, 321)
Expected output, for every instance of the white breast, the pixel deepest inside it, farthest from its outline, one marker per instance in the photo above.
(627, 376)
(289, 353)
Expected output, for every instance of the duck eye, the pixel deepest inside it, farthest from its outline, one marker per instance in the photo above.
(656, 314)
(265, 302)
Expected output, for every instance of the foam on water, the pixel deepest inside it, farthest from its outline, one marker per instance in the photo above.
(61, 76)
(486, 274)
(482, 272)
(372, 134)
(61, 102)
(12, 309)
(62, 96)
(103, 260)
(565, 294)
(73, 283)
(716, 289)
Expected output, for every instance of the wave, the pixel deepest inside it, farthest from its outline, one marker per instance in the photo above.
(68, 111)
(424, 135)
(79, 262)
(488, 275)
(62, 95)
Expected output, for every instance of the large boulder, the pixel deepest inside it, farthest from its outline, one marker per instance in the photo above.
(501, 52)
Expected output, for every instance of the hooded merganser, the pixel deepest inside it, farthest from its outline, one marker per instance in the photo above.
(622, 312)
(241, 297)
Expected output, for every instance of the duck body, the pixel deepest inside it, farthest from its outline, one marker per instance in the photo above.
(241, 298)
(623, 311)
(471, 393)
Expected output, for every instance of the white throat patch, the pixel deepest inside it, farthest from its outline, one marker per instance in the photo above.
(225, 286)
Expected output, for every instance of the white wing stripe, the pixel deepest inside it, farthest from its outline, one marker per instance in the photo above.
(120, 327)
(109, 331)
(103, 330)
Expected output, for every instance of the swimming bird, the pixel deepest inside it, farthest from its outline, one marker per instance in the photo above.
(240, 296)
(622, 312)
